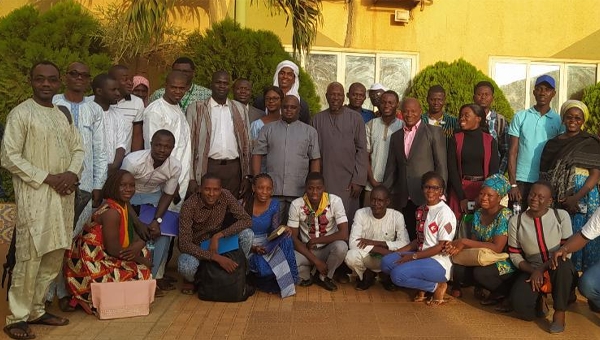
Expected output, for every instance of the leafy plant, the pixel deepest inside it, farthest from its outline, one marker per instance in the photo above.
(591, 98)
(63, 34)
(244, 53)
(458, 79)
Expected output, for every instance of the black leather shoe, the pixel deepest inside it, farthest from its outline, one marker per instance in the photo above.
(327, 283)
(305, 283)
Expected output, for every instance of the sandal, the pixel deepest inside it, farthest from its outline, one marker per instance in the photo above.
(65, 305)
(188, 288)
(49, 320)
(436, 302)
(164, 284)
(22, 327)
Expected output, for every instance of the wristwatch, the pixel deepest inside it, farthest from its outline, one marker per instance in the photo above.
(158, 219)
(414, 256)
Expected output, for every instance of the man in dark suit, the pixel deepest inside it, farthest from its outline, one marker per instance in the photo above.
(414, 150)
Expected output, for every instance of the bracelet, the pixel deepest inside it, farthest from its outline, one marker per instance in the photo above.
(514, 186)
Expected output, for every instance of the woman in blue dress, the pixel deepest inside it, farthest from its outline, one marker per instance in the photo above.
(272, 263)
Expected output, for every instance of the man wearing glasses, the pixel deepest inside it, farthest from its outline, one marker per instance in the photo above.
(91, 128)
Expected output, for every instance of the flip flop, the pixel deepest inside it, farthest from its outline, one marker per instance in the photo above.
(23, 327)
(435, 302)
(49, 320)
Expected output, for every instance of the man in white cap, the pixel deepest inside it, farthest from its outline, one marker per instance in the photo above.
(375, 93)
(287, 78)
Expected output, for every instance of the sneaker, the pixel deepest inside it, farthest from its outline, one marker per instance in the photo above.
(326, 283)
(305, 283)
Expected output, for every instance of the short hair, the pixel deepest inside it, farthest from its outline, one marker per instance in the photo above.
(392, 93)
(479, 112)
(546, 184)
(100, 80)
(163, 133)
(276, 89)
(184, 60)
(178, 75)
(381, 188)
(110, 190)
(357, 84)
(432, 175)
(208, 176)
(218, 73)
(45, 63)
(484, 83)
(113, 69)
(436, 89)
(242, 79)
(314, 176)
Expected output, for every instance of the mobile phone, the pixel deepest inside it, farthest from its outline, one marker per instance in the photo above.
(471, 205)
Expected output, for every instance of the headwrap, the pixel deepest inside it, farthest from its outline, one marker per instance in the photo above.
(294, 90)
(498, 183)
(569, 104)
(140, 80)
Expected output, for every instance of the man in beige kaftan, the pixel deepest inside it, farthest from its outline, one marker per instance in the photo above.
(43, 151)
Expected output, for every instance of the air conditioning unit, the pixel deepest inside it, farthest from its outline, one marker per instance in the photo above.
(401, 15)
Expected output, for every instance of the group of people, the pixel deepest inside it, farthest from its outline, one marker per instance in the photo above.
(393, 192)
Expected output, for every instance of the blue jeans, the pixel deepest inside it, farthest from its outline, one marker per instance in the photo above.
(423, 274)
(160, 254)
(589, 284)
(188, 264)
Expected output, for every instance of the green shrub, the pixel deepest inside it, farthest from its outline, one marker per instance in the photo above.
(245, 53)
(591, 98)
(458, 79)
(62, 35)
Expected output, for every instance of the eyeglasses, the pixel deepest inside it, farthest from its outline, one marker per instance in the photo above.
(272, 99)
(77, 74)
(431, 187)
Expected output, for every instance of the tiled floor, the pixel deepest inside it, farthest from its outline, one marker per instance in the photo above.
(317, 314)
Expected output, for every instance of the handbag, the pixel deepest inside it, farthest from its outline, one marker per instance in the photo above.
(115, 300)
(478, 257)
(546, 287)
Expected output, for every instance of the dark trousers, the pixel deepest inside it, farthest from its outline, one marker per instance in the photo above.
(409, 212)
(523, 299)
(230, 173)
(487, 277)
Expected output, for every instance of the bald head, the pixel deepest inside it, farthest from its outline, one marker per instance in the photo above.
(77, 80)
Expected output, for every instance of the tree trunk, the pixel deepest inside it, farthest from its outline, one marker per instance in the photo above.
(351, 23)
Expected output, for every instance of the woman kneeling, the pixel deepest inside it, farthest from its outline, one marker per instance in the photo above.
(422, 265)
(108, 250)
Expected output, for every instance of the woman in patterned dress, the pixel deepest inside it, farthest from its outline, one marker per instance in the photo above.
(108, 250)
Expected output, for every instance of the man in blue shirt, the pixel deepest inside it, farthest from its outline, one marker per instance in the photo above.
(529, 131)
(357, 93)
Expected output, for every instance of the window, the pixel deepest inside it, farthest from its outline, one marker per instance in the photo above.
(393, 70)
(516, 78)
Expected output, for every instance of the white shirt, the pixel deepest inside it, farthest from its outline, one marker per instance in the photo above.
(378, 145)
(115, 128)
(327, 223)
(160, 115)
(223, 144)
(147, 178)
(132, 112)
(591, 229)
(390, 228)
(440, 225)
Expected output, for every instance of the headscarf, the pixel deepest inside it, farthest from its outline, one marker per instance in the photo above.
(294, 90)
(498, 183)
(140, 80)
(569, 104)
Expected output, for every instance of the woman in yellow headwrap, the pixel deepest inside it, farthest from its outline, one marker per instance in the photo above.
(571, 163)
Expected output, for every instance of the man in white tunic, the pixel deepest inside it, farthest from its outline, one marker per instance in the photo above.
(376, 232)
(43, 151)
(106, 93)
(90, 125)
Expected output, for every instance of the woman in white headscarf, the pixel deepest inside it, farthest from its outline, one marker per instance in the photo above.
(287, 78)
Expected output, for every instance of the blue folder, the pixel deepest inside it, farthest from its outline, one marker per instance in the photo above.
(170, 223)
(226, 244)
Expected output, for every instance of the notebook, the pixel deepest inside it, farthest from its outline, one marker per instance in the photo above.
(226, 244)
(170, 223)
